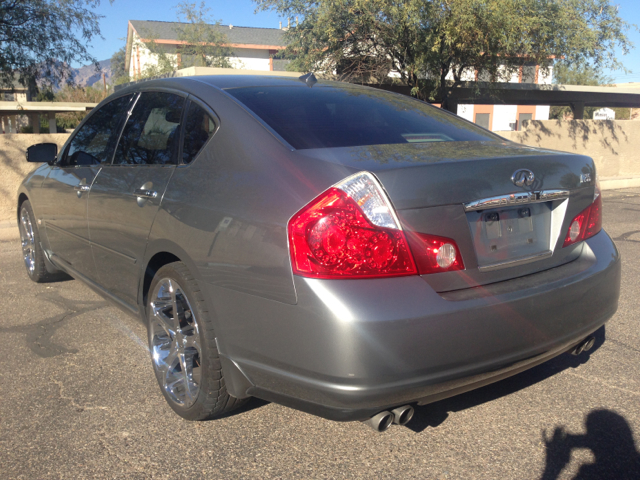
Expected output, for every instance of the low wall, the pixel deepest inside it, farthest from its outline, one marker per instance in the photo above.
(14, 166)
(614, 145)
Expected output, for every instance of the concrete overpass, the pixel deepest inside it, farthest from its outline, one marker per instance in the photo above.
(9, 111)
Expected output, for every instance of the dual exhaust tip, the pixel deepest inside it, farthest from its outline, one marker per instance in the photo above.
(383, 420)
(584, 346)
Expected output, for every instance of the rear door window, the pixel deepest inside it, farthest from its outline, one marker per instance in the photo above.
(152, 133)
(93, 143)
(198, 128)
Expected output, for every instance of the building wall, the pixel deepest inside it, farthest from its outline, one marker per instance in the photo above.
(244, 58)
(613, 144)
(466, 112)
(7, 95)
(251, 59)
(506, 117)
(542, 112)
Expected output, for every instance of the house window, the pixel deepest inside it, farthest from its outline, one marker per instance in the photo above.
(8, 97)
(483, 119)
(529, 74)
(522, 117)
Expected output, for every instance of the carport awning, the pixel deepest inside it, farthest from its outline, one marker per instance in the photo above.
(483, 93)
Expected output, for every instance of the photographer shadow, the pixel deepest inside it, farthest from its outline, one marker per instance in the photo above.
(434, 414)
(610, 439)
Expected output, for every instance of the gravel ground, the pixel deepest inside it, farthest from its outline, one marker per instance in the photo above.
(78, 399)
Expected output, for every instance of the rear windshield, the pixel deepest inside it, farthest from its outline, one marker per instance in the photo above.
(325, 116)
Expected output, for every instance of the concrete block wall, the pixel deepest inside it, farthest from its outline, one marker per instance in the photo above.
(14, 166)
(613, 144)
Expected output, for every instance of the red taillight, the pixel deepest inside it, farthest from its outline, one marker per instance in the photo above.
(351, 231)
(332, 238)
(434, 254)
(587, 223)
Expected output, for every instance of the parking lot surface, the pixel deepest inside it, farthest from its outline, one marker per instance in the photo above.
(78, 399)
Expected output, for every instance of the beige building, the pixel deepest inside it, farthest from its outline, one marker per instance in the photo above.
(508, 117)
(17, 93)
(253, 48)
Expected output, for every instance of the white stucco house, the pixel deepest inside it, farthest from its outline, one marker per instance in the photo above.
(253, 48)
(508, 117)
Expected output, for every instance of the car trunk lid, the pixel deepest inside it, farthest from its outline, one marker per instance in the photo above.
(466, 191)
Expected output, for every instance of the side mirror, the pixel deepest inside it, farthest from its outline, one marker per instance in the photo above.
(42, 153)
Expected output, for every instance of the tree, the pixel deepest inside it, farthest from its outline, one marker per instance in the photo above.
(76, 94)
(202, 43)
(564, 74)
(40, 39)
(431, 45)
(68, 93)
(118, 64)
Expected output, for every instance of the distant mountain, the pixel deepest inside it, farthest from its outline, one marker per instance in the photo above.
(87, 76)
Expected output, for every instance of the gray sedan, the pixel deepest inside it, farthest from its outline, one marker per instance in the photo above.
(341, 250)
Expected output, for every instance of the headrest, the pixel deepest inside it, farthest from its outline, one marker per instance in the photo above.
(173, 116)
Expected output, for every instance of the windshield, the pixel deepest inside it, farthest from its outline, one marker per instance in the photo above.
(327, 116)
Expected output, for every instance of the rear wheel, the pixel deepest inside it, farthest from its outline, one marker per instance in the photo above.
(32, 252)
(182, 345)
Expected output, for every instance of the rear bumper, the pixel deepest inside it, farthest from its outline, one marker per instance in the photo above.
(350, 349)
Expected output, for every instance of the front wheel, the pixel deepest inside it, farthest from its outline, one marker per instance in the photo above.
(32, 252)
(182, 344)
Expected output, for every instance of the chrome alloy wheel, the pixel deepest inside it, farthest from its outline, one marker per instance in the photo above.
(175, 343)
(28, 241)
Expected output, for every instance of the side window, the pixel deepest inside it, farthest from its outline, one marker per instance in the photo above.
(151, 135)
(199, 126)
(94, 142)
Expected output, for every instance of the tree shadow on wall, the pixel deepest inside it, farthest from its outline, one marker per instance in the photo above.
(533, 132)
(579, 133)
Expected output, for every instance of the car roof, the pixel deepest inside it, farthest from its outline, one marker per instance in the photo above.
(239, 81)
(225, 82)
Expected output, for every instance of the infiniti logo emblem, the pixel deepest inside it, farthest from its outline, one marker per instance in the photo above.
(523, 177)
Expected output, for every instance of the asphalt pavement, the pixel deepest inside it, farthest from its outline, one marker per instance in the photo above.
(78, 399)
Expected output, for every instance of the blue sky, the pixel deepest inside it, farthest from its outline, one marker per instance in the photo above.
(241, 13)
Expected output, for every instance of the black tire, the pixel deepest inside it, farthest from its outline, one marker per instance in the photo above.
(32, 253)
(194, 325)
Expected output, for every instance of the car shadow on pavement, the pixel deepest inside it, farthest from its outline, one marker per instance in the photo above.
(434, 414)
(610, 439)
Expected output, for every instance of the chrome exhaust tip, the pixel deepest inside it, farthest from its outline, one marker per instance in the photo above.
(402, 415)
(381, 421)
(588, 345)
(584, 346)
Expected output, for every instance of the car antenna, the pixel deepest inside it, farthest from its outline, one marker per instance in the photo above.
(308, 78)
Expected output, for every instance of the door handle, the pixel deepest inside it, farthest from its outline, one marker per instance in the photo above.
(81, 188)
(141, 192)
